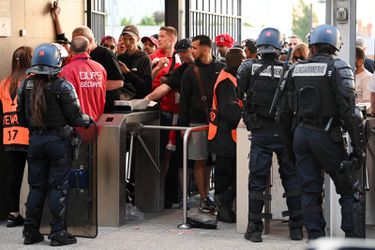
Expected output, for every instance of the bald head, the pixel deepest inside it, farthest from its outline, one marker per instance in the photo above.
(83, 31)
(235, 57)
(79, 45)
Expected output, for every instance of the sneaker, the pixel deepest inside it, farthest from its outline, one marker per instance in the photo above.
(181, 204)
(207, 206)
(14, 221)
(31, 236)
(62, 238)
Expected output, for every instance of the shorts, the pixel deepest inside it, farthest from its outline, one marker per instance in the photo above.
(197, 145)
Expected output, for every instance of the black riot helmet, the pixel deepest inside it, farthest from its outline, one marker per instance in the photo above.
(325, 34)
(269, 41)
(47, 59)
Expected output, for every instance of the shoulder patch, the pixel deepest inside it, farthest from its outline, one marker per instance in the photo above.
(310, 69)
(267, 71)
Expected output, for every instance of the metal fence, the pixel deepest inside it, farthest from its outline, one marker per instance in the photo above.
(96, 17)
(214, 17)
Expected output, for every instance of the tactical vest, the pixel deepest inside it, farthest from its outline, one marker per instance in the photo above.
(13, 134)
(262, 88)
(214, 114)
(53, 116)
(315, 97)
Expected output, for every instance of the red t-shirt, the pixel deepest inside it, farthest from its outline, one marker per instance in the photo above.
(89, 78)
(170, 101)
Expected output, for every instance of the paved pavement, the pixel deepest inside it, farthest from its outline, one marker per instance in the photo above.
(159, 231)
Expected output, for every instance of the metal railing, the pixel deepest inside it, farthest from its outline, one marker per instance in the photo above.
(188, 131)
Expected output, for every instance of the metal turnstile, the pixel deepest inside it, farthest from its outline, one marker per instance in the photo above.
(114, 134)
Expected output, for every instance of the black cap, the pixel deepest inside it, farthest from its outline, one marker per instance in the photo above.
(183, 45)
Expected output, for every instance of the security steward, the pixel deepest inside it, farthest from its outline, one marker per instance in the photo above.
(319, 102)
(258, 80)
(222, 136)
(49, 106)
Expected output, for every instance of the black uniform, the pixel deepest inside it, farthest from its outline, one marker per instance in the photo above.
(50, 151)
(257, 81)
(320, 92)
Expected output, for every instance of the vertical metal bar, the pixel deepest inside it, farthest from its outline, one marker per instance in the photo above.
(184, 224)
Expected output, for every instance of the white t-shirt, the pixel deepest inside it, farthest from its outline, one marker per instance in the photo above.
(371, 83)
(362, 86)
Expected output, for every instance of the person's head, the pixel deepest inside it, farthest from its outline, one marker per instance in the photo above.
(269, 43)
(294, 40)
(21, 61)
(121, 49)
(79, 45)
(109, 42)
(202, 46)
(184, 50)
(45, 63)
(250, 48)
(224, 42)
(300, 52)
(359, 60)
(360, 42)
(324, 39)
(130, 35)
(234, 57)
(150, 44)
(167, 38)
(86, 32)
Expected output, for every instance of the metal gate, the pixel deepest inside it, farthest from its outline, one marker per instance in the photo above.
(214, 17)
(96, 17)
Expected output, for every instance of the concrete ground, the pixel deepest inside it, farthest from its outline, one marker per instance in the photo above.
(159, 231)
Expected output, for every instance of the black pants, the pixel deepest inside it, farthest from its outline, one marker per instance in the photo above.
(225, 173)
(49, 168)
(17, 160)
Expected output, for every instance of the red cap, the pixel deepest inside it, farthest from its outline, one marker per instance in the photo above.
(152, 39)
(224, 40)
(106, 38)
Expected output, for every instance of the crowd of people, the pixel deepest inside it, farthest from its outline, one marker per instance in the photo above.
(71, 83)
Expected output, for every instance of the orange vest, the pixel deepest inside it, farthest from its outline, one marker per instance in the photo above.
(12, 132)
(212, 127)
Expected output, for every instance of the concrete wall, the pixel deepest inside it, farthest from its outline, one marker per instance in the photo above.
(34, 16)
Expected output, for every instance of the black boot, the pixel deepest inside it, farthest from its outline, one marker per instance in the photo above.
(295, 230)
(254, 232)
(224, 202)
(31, 235)
(62, 238)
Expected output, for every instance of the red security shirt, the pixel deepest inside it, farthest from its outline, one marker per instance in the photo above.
(169, 102)
(89, 78)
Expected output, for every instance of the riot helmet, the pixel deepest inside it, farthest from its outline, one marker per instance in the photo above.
(325, 34)
(47, 59)
(269, 41)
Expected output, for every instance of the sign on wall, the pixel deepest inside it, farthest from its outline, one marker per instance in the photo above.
(5, 18)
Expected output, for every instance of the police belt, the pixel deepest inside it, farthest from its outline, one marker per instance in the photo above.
(318, 124)
(40, 131)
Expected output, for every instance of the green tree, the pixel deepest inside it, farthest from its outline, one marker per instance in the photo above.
(147, 20)
(301, 23)
(159, 17)
(126, 21)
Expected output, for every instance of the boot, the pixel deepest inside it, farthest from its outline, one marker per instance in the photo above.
(254, 232)
(62, 238)
(295, 230)
(224, 202)
(226, 214)
(31, 235)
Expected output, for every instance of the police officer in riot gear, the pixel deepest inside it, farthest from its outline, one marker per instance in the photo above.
(258, 80)
(317, 105)
(48, 106)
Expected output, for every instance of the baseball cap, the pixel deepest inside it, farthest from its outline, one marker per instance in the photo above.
(131, 30)
(224, 40)
(183, 45)
(150, 38)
